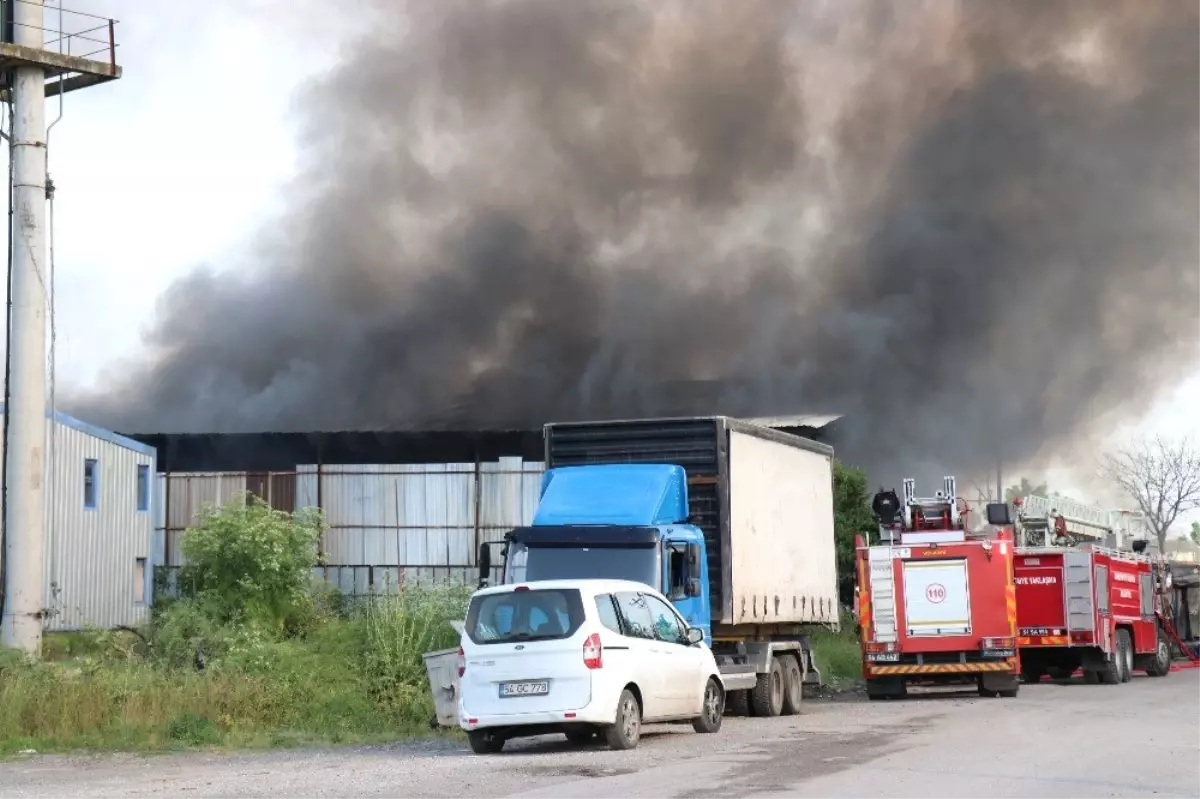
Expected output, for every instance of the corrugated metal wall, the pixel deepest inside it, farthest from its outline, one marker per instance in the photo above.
(388, 524)
(92, 554)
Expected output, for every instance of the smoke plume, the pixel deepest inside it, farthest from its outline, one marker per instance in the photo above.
(971, 227)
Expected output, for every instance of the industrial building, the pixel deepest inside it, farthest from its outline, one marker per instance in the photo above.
(99, 526)
(400, 506)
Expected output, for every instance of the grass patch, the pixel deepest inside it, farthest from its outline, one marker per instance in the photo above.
(839, 655)
(353, 677)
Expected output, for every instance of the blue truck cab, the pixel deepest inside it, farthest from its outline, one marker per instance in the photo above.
(619, 521)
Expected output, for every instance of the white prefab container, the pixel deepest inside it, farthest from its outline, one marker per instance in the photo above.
(783, 564)
(100, 499)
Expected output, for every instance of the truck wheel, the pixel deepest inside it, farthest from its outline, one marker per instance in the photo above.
(886, 688)
(627, 730)
(793, 685)
(713, 710)
(1161, 665)
(1110, 672)
(1125, 649)
(485, 742)
(767, 699)
(1091, 677)
(737, 703)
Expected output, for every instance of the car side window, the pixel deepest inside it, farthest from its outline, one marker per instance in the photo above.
(636, 615)
(608, 612)
(667, 626)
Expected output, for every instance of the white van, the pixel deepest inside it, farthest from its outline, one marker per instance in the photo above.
(584, 658)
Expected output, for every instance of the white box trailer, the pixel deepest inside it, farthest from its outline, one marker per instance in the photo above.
(764, 502)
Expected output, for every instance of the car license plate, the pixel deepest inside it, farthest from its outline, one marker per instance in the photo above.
(884, 657)
(532, 688)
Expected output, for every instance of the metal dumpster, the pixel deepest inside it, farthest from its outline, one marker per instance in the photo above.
(442, 669)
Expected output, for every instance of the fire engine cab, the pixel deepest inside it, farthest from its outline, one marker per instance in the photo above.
(1084, 601)
(936, 604)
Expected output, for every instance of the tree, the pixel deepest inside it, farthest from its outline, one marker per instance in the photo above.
(1025, 489)
(852, 514)
(1161, 476)
(1195, 534)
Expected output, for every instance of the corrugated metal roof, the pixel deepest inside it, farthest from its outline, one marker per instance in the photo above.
(815, 420)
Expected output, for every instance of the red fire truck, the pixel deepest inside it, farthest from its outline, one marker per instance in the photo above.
(1082, 604)
(936, 604)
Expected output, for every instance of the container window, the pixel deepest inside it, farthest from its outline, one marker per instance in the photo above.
(143, 487)
(139, 587)
(91, 476)
(512, 616)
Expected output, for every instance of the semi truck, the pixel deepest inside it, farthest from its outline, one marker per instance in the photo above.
(1084, 605)
(936, 603)
(732, 521)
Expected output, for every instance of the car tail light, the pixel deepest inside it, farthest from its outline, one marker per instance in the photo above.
(462, 662)
(593, 652)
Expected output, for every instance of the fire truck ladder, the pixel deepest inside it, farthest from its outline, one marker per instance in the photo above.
(1082, 522)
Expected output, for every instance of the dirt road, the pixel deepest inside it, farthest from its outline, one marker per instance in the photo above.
(1138, 739)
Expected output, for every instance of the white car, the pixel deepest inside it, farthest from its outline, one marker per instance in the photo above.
(584, 658)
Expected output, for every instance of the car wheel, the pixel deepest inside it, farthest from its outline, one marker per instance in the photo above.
(485, 742)
(793, 685)
(713, 710)
(627, 731)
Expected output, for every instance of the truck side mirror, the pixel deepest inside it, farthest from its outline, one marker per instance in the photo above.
(692, 588)
(998, 514)
(485, 565)
(693, 559)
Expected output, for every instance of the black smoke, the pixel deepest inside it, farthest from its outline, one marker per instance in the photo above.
(970, 227)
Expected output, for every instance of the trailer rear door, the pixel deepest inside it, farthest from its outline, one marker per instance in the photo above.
(937, 597)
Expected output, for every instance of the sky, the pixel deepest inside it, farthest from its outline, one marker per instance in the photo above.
(180, 162)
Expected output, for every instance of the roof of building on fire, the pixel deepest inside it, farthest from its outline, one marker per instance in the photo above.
(272, 451)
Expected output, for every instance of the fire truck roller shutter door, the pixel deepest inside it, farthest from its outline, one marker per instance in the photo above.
(937, 597)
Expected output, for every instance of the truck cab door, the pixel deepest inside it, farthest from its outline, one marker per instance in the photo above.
(685, 584)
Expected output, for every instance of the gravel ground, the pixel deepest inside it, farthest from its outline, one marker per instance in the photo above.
(1138, 739)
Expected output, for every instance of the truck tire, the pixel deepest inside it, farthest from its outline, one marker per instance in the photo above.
(998, 685)
(1091, 677)
(1125, 654)
(627, 729)
(1160, 666)
(886, 688)
(793, 685)
(712, 712)
(767, 699)
(1110, 672)
(737, 703)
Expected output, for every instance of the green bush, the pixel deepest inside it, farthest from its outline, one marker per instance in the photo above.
(852, 515)
(248, 561)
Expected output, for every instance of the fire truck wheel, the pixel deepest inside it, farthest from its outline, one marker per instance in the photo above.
(886, 688)
(767, 699)
(1110, 672)
(1161, 665)
(793, 685)
(1091, 677)
(1125, 654)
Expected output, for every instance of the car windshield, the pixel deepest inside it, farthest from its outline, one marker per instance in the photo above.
(639, 564)
(524, 615)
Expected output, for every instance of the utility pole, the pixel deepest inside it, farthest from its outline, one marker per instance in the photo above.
(28, 63)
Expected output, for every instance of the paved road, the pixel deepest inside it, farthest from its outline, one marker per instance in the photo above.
(1139, 739)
